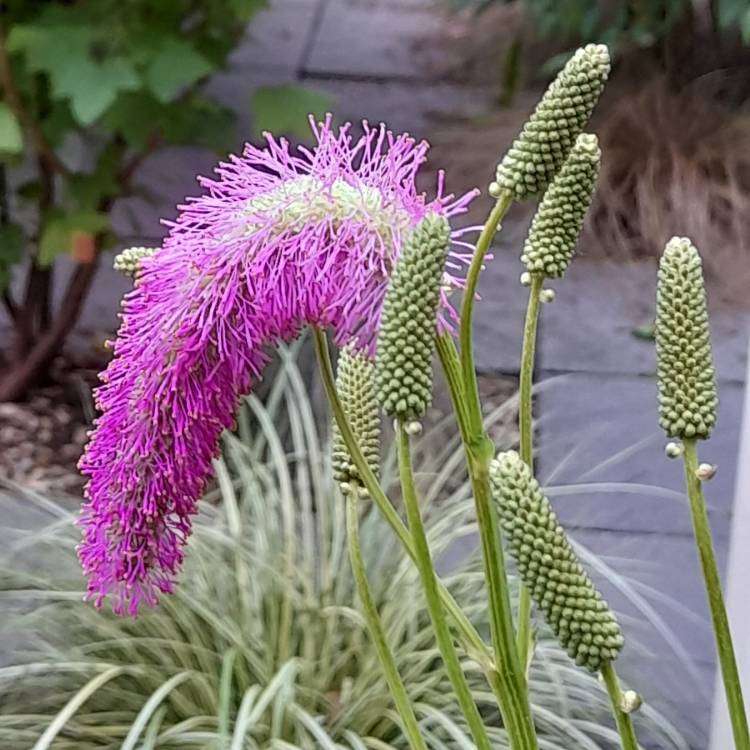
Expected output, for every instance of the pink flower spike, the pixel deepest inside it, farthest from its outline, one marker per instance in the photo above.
(277, 240)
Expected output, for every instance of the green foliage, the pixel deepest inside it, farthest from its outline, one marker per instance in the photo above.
(285, 109)
(11, 137)
(261, 646)
(643, 23)
(11, 250)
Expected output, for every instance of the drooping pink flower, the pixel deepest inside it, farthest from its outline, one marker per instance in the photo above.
(279, 239)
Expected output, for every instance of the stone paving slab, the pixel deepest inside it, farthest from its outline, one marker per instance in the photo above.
(277, 37)
(596, 429)
(669, 565)
(370, 41)
(404, 107)
(599, 304)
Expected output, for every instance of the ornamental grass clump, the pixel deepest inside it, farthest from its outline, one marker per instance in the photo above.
(336, 238)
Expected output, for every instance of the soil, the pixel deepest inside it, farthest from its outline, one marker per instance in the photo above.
(42, 438)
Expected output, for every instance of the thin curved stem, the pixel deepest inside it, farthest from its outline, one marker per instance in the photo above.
(472, 642)
(467, 306)
(526, 443)
(510, 677)
(622, 719)
(722, 634)
(432, 596)
(375, 627)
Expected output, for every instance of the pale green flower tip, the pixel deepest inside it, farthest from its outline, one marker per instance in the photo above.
(550, 133)
(554, 231)
(406, 338)
(128, 261)
(572, 607)
(686, 376)
(355, 384)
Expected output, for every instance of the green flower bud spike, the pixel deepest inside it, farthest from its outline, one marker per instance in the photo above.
(355, 384)
(406, 341)
(687, 380)
(573, 608)
(559, 218)
(129, 260)
(549, 134)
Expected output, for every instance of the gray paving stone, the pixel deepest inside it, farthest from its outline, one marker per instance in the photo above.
(404, 107)
(277, 36)
(602, 452)
(357, 39)
(598, 304)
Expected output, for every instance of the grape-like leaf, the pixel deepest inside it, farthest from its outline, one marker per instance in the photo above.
(176, 66)
(11, 136)
(285, 109)
(58, 231)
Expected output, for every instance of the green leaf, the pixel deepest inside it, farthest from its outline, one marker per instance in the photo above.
(176, 66)
(59, 228)
(731, 12)
(11, 136)
(285, 109)
(79, 69)
(88, 189)
(246, 9)
(11, 250)
(745, 27)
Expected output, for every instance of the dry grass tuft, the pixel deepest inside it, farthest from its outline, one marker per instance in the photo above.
(674, 163)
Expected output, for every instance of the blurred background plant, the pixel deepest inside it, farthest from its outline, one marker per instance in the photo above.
(673, 123)
(112, 81)
(262, 645)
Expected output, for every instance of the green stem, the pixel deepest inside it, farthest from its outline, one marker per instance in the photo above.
(623, 720)
(375, 627)
(526, 432)
(510, 678)
(432, 595)
(472, 642)
(722, 634)
(467, 307)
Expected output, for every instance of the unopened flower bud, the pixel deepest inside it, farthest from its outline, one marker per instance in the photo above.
(673, 450)
(705, 472)
(630, 702)
(550, 569)
(128, 261)
(557, 223)
(525, 279)
(549, 134)
(355, 385)
(685, 370)
(547, 295)
(406, 340)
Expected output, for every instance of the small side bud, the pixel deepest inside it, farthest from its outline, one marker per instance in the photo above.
(413, 428)
(685, 369)
(547, 295)
(406, 340)
(494, 190)
(705, 472)
(549, 134)
(525, 279)
(630, 702)
(128, 261)
(673, 450)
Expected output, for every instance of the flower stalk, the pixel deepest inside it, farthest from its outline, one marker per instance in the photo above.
(375, 627)
(432, 595)
(722, 633)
